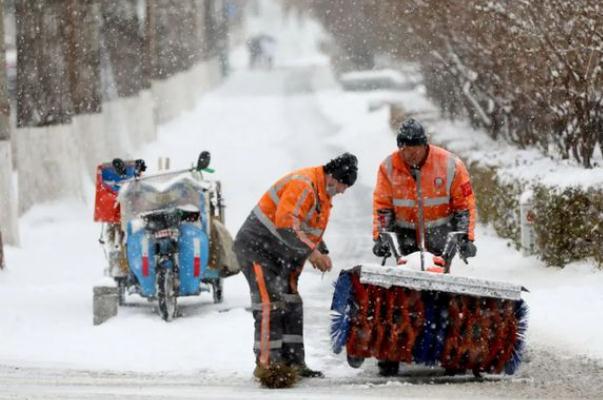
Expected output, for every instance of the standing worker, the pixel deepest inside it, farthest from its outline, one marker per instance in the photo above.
(423, 192)
(284, 230)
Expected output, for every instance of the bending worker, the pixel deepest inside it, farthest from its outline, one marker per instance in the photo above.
(283, 231)
(423, 192)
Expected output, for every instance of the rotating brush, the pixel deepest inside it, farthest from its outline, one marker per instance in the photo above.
(460, 324)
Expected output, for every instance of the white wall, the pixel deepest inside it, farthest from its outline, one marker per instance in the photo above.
(179, 92)
(50, 164)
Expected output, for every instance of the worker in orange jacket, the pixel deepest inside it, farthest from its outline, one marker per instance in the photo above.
(423, 192)
(283, 231)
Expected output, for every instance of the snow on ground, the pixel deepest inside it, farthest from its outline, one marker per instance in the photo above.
(259, 125)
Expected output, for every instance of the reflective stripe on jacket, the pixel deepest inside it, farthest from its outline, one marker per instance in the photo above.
(296, 209)
(441, 190)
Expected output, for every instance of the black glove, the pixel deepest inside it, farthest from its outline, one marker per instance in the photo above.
(381, 249)
(467, 248)
(322, 248)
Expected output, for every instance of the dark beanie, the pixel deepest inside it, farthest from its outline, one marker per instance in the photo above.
(411, 133)
(343, 168)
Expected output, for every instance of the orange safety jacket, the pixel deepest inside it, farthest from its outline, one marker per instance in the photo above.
(429, 203)
(296, 209)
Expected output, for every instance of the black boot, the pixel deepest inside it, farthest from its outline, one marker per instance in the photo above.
(305, 372)
(388, 368)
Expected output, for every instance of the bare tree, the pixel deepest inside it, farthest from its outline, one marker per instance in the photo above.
(123, 35)
(150, 65)
(527, 72)
(7, 217)
(4, 100)
(43, 84)
(83, 56)
(174, 47)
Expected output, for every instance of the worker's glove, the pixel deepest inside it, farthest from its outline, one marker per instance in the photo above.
(467, 248)
(381, 249)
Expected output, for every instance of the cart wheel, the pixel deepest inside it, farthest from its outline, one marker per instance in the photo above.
(355, 362)
(166, 294)
(217, 291)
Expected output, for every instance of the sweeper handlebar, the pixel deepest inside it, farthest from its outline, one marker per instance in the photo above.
(203, 162)
(390, 239)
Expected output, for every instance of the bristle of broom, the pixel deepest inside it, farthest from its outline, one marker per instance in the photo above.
(278, 376)
(433, 336)
(340, 312)
(521, 313)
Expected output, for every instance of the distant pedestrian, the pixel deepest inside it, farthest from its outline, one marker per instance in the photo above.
(254, 49)
(261, 48)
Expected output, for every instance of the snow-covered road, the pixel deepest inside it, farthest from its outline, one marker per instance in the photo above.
(259, 125)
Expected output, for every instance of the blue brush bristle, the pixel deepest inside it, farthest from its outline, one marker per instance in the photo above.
(423, 348)
(430, 342)
(340, 311)
(521, 313)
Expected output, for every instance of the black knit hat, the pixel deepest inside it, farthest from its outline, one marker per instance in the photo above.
(343, 168)
(411, 133)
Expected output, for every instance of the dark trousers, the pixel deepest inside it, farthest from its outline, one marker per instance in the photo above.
(277, 308)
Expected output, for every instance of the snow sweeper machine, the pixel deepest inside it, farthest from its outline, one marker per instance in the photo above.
(416, 312)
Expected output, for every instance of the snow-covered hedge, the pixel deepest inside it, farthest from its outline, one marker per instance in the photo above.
(568, 224)
(497, 201)
(568, 221)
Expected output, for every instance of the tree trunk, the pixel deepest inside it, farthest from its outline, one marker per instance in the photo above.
(210, 29)
(43, 85)
(83, 55)
(8, 213)
(198, 29)
(173, 22)
(150, 43)
(125, 44)
(4, 101)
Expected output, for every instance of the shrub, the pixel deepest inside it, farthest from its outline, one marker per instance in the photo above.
(497, 202)
(568, 224)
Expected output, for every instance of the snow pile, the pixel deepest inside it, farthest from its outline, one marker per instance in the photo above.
(374, 80)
